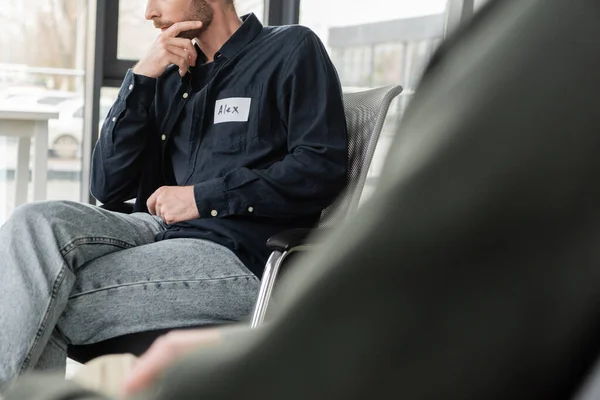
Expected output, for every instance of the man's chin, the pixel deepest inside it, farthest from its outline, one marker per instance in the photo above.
(194, 33)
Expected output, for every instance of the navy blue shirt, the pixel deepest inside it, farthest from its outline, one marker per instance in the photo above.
(183, 133)
(267, 143)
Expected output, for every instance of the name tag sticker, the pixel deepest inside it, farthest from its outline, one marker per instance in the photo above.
(235, 109)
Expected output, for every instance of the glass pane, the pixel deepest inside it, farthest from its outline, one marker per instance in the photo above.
(78, 113)
(47, 79)
(108, 95)
(387, 43)
(257, 7)
(136, 35)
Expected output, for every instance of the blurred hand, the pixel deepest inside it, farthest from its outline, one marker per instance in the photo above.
(105, 374)
(169, 49)
(173, 204)
(163, 353)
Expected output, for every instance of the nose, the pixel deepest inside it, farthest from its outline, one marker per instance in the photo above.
(151, 10)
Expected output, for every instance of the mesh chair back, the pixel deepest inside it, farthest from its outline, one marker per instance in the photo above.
(365, 115)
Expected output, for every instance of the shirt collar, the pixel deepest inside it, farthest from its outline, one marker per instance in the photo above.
(245, 34)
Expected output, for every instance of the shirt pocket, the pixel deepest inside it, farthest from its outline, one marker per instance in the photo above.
(234, 118)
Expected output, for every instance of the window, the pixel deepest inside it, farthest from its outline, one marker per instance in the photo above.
(387, 54)
(380, 43)
(104, 108)
(6, 143)
(51, 101)
(78, 113)
(136, 35)
(50, 76)
(257, 7)
(386, 27)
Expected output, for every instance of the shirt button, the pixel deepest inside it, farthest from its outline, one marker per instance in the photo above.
(114, 119)
(164, 137)
(131, 87)
(250, 209)
(214, 213)
(185, 95)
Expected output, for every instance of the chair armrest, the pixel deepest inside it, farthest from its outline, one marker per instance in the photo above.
(123, 208)
(288, 240)
(281, 245)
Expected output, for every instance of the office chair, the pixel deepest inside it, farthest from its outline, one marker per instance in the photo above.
(365, 115)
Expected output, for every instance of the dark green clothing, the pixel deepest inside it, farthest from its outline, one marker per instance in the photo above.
(474, 271)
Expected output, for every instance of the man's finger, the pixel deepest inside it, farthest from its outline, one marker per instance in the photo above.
(151, 204)
(148, 368)
(163, 353)
(178, 51)
(182, 61)
(179, 27)
(179, 57)
(186, 45)
(158, 208)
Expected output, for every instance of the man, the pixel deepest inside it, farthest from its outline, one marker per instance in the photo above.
(472, 273)
(225, 142)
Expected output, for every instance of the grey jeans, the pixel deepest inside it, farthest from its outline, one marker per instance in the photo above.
(72, 273)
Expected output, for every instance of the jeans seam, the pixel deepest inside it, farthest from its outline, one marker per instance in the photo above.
(57, 282)
(58, 344)
(159, 281)
(94, 240)
(60, 333)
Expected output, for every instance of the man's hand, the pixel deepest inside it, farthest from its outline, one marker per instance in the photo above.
(164, 352)
(169, 49)
(174, 204)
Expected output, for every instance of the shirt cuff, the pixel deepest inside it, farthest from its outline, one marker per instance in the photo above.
(138, 89)
(211, 199)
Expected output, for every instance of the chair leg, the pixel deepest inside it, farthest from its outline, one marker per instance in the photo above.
(266, 287)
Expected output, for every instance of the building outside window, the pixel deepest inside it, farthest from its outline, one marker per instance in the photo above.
(379, 43)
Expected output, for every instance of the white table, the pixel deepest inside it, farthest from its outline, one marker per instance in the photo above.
(25, 125)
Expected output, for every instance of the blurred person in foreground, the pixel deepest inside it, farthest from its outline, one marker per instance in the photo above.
(472, 273)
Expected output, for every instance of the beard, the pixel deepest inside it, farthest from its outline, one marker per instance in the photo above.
(200, 10)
